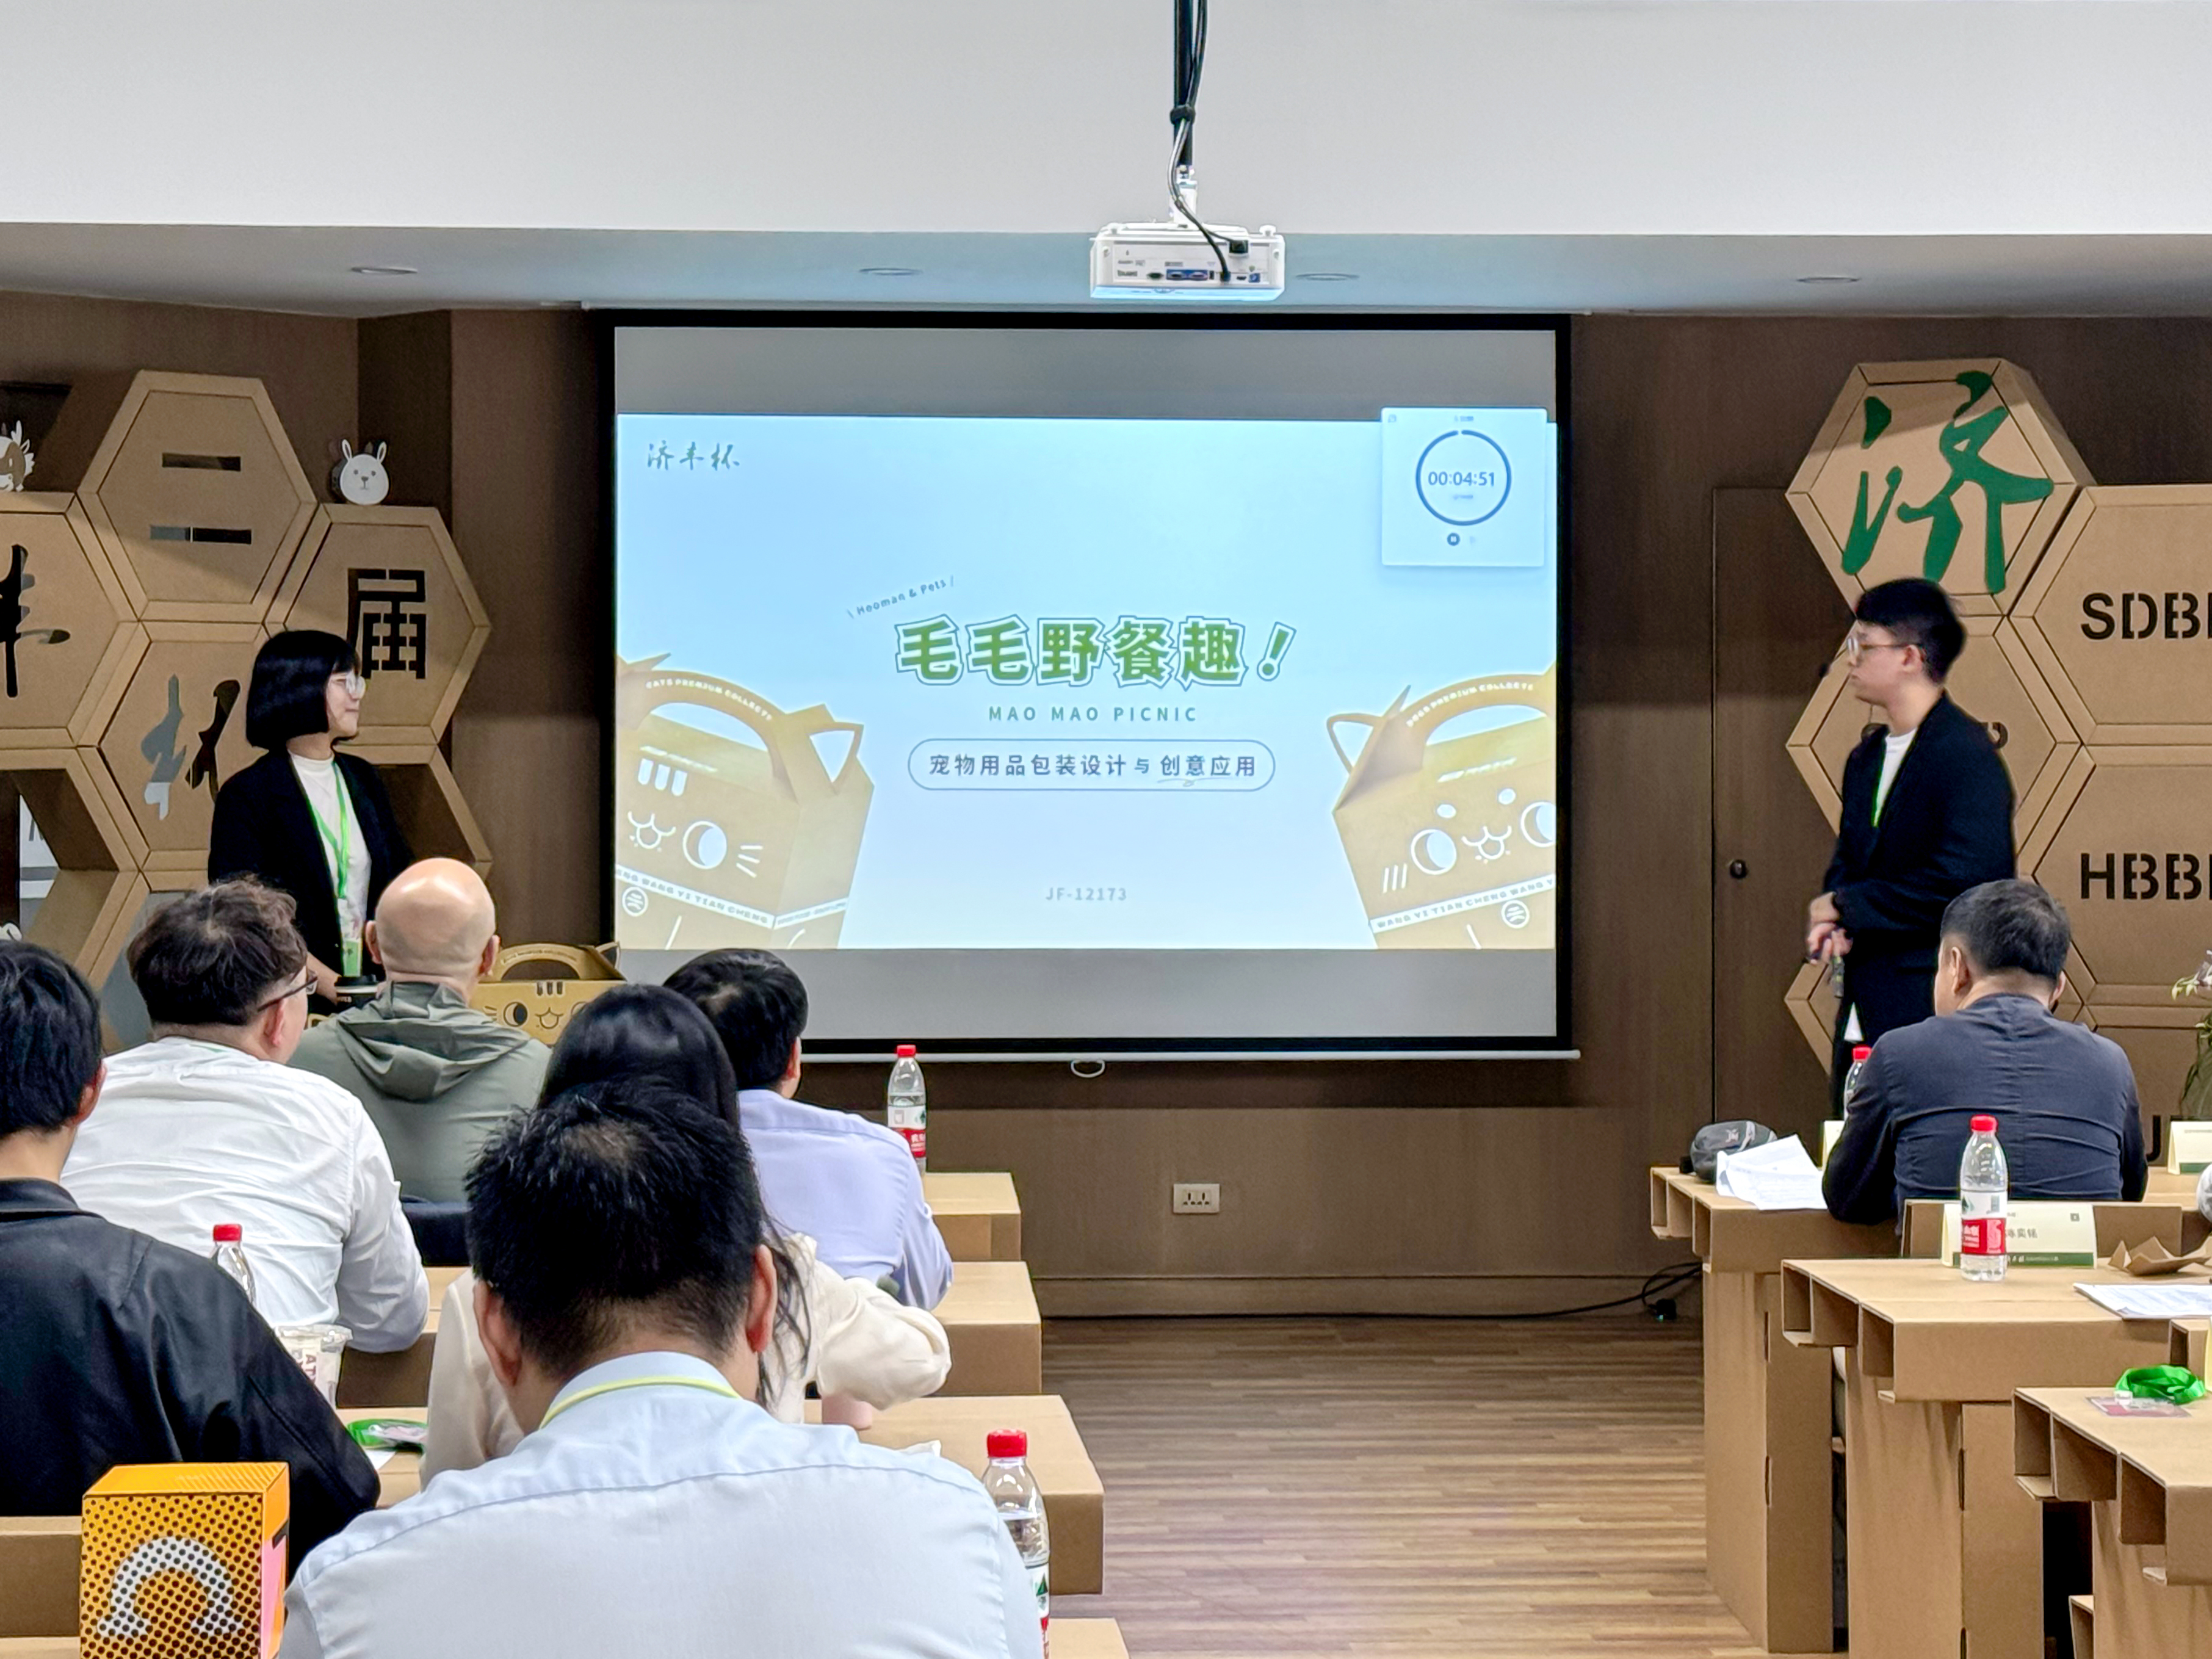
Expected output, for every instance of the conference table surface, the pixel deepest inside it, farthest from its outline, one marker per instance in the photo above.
(1072, 1638)
(990, 1317)
(977, 1214)
(1074, 1498)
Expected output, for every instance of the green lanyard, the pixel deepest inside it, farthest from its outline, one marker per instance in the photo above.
(341, 871)
(715, 1386)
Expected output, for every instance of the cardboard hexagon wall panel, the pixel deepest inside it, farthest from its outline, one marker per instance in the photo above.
(197, 497)
(2160, 1043)
(96, 888)
(1994, 680)
(1956, 471)
(2119, 615)
(66, 626)
(388, 579)
(137, 606)
(428, 803)
(177, 731)
(2126, 847)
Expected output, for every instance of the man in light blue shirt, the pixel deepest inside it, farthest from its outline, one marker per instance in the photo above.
(625, 1294)
(848, 1184)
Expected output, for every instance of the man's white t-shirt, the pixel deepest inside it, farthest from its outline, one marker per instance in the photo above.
(1893, 755)
(322, 781)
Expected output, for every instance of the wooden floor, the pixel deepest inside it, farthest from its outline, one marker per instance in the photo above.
(1394, 1486)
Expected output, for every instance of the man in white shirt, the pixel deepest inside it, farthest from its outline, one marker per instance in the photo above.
(849, 1184)
(626, 1294)
(207, 1124)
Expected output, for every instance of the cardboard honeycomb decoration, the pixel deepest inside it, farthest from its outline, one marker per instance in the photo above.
(1995, 681)
(1956, 471)
(134, 607)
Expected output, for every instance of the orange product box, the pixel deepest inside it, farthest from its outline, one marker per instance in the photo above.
(185, 1561)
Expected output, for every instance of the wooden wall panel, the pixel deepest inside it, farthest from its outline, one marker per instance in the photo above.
(1346, 1185)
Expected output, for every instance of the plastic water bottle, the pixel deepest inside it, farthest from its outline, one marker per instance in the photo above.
(1860, 1055)
(1983, 1185)
(230, 1256)
(907, 1104)
(1010, 1485)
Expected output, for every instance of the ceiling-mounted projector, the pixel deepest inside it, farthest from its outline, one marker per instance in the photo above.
(1182, 256)
(1173, 260)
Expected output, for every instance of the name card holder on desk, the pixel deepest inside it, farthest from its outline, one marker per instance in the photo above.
(2188, 1146)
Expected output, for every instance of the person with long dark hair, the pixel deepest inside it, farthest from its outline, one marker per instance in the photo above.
(304, 819)
(859, 1347)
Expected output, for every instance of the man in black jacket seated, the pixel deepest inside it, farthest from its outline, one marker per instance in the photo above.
(114, 1348)
(2063, 1097)
(1927, 813)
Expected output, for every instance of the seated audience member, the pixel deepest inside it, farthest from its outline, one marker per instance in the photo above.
(2063, 1097)
(115, 1348)
(436, 1075)
(849, 1184)
(855, 1344)
(627, 1292)
(206, 1124)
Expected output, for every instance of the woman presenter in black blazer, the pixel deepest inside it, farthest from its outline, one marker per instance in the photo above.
(304, 819)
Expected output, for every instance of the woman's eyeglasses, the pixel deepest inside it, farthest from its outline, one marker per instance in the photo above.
(353, 684)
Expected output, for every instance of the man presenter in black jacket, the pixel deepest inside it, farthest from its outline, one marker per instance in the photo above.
(1927, 813)
(114, 1348)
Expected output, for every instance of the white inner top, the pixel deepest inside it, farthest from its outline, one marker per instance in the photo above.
(320, 778)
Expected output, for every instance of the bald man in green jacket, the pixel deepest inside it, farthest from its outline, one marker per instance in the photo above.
(437, 1076)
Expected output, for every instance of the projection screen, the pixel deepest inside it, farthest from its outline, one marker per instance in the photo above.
(1036, 686)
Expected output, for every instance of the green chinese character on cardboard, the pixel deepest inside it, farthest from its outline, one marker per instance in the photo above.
(1143, 649)
(1068, 649)
(999, 649)
(930, 651)
(1212, 652)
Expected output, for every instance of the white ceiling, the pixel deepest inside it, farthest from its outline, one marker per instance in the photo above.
(310, 270)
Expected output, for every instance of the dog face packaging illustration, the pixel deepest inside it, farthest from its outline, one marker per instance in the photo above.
(722, 839)
(185, 1561)
(1453, 840)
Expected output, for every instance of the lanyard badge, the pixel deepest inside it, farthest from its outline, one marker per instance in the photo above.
(338, 845)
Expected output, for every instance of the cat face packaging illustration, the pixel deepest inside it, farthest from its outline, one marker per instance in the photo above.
(1453, 839)
(748, 838)
(542, 1006)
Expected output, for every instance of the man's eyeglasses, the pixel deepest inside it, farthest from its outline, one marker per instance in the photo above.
(300, 989)
(1853, 647)
(354, 685)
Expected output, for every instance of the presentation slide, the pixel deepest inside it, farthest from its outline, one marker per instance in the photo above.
(963, 691)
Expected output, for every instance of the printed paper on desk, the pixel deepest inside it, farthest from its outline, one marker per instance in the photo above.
(2151, 1301)
(1776, 1177)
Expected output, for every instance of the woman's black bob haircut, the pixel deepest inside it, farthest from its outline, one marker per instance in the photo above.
(290, 673)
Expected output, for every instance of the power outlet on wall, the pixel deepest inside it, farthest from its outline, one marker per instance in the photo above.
(1195, 1198)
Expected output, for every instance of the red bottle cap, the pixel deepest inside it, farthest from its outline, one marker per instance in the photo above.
(1985, 1125)
(1864, 1051)
(228, 1232)
(906, 1051)
(1007, 1442)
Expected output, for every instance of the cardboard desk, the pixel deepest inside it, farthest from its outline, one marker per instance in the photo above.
(38, 1556)
(1944, 1546)
(998, 1340)
(1072, 1638)
(978, 1215)
(2186, 1344)
(2147, 1481)
(2180, 1190)
(398, 1381)
(1769, 1467)
(1074, 1499)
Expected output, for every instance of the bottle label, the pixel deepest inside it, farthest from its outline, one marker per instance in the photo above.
(1982, 1223)
(1041, 1582)
(911, 1122)
(916, 1138)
